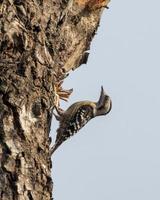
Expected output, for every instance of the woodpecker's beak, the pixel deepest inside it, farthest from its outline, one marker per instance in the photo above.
(102, 97)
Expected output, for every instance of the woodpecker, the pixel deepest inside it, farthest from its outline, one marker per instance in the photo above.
(77, 115)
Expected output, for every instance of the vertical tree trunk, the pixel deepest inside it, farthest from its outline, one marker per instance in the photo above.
(40, 42)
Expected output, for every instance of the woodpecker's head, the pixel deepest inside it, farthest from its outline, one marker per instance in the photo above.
(104, 104)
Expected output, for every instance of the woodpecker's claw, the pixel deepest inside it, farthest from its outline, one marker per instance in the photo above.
(59, 110)
(57, 117)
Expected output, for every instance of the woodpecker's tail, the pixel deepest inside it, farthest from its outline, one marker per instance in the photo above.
(55, 146)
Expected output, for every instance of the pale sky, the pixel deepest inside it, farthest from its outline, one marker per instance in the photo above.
(116, 157)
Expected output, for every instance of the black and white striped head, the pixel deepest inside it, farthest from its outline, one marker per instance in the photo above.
(104, 104)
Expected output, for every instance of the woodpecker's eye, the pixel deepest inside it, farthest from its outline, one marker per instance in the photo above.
(106, 98)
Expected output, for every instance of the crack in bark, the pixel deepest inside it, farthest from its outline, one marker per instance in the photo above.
(16, 121)
(12, 181)
(30, 195)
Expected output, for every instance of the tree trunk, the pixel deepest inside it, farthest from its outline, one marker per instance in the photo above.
(40, 42)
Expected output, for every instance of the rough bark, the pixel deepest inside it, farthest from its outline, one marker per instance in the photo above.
(40, 42)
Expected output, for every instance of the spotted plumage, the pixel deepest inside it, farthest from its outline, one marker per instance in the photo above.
(72, 121)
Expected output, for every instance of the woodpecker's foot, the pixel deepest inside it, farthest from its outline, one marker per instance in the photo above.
(57, 117)
(59, 110)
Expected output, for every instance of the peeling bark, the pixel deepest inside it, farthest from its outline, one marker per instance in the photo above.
(40, 42)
